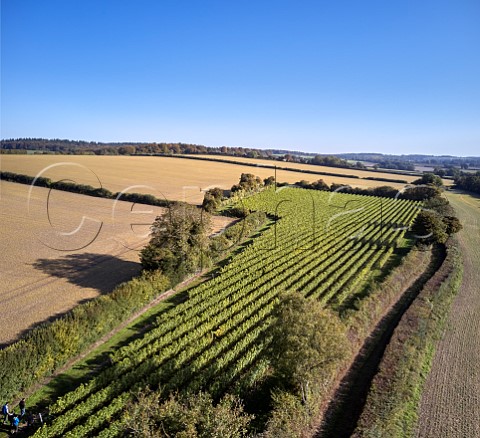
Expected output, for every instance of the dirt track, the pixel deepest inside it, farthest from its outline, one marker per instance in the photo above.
(450, 404)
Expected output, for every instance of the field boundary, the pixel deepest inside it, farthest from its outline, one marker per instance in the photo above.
(369, 331)
(392, 405)
(288, 169)
(86, 190)
(370, 340)
(150, 282)
(453, 377)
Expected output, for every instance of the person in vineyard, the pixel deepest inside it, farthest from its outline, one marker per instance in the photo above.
(21, 405)
(15, 421)
(5, 412)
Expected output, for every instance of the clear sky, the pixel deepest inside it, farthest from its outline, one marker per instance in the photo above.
(396, 76)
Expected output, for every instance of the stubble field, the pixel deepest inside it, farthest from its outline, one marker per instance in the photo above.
(62, 248)
(315, 168)
(164, 177)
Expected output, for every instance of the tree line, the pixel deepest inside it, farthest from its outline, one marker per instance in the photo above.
(58, 146)
(469, 182)
(85, 189)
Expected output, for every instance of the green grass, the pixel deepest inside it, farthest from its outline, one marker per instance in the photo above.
(93, 362)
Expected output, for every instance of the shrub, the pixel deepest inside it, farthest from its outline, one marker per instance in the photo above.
(193, 415)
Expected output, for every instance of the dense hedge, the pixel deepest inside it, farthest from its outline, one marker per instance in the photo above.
(25, 179)
(84, 189)
(49, 346)
(469, 182)
(393, 180)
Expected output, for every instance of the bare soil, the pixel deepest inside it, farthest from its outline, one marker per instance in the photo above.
(62, 248)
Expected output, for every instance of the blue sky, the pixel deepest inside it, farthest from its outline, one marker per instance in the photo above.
(337, 76)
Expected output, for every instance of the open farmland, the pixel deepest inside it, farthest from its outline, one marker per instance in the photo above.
(163, 177)
(215, 338)
(53, 259)
(314, 168)
(451, 398)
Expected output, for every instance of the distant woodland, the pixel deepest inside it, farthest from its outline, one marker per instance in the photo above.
(469, 182)
(24, 145)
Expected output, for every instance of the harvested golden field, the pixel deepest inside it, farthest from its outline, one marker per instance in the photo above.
(62, 248)
(312, 167)
(172, 178)
(451, 398)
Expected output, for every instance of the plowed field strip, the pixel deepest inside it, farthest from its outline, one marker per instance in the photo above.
(451, 398)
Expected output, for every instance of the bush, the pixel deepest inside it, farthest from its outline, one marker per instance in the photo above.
(188, 416)
(308, 343)
(289, 417)
(179, 242)
(429, 178)
(421, 193)
(429, 228)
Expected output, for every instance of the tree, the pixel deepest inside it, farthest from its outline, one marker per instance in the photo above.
(179, 242)
(329, 160)
(248, 182)
(440, 205)
(320, 185)
(430, 228)
(212, 199)
(308, 343)
(429, 178)
(316, 185)
(209, 203)
(360, 165)
(421, 193)
(192, 416)
(453, 224)
(126, 150)
(470, 182)
(269, 181)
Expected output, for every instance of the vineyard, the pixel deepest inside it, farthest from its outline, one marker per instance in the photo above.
(324, 245)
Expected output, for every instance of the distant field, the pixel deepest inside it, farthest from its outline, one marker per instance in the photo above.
(44, 272)
(172, 178)
(312, 167)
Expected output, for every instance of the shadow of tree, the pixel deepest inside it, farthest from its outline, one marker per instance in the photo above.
(97, 271)
(87, 270)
